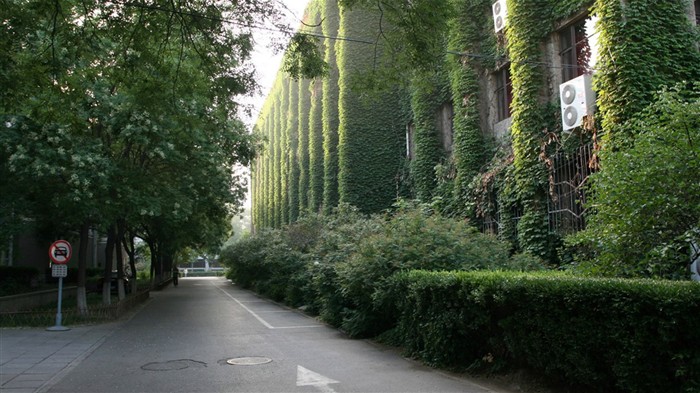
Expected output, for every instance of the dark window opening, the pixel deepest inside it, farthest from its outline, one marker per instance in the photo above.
(444, 126)
(697, 12)
(410, 142)
(504, 93)
(575, 51)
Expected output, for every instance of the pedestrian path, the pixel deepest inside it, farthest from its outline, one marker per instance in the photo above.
(32, 359)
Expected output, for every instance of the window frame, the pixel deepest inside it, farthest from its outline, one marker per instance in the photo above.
(503, 93)
(574, 50)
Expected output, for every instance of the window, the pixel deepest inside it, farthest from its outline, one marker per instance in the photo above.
(504, 93)
(410, 142)
(697, 12)
(575, 51)
(444, 126)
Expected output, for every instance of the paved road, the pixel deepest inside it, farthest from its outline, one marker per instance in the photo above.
(206, 335)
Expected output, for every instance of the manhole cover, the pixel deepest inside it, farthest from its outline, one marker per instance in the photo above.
(248, 361)
(171, 365)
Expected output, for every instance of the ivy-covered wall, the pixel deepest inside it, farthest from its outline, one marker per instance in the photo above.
(292, 150)
(330, 25)
(468, 33)
(316, 154)
(430, 90)
(303, 107)
(371, 133)
(644, 44)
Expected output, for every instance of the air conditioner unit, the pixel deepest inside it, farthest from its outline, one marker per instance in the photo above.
(577, 99)
(500, 15)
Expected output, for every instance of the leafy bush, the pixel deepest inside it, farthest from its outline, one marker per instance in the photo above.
(337, 265)
(646, 197)
(410, 239)
(339, 238)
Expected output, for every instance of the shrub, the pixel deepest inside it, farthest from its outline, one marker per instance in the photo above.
(411, 239)
(646, 197)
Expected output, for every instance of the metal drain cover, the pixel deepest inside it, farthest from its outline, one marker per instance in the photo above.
(248, 361)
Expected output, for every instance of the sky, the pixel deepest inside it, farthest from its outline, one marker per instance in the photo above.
(264, 59)
(266, 64)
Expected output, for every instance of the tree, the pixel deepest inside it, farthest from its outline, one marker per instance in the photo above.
(646, 198)
(122, 115)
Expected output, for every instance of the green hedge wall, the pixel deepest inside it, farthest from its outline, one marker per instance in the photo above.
(371, 131)
(604, 335)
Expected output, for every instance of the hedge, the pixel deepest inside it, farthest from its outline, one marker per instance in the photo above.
(17, 279)
(607, 335)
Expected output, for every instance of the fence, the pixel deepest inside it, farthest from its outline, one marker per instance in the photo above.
(566, 211)
(72, 316)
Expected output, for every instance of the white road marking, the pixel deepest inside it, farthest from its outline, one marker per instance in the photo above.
(259, 318)
(306, 377)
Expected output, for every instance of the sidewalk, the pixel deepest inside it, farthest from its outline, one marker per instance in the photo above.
(33, 359)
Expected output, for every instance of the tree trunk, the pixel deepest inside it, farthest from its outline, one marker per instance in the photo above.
(107, 276)
(120, 260)
(131, 252)
(82, 267)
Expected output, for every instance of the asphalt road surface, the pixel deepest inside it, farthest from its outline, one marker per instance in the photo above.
(207, 335)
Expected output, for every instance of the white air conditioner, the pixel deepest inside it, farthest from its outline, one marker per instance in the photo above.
(500, 15)
(577, 100)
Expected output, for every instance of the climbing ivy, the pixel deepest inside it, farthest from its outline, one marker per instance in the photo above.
(331, 22)
(292, 150)
(468, 33)
(371, 133)
(646, 44)
(429, 91)
(282, 146)
(304, 106)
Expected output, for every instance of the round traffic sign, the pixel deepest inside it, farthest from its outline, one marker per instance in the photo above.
(60, 252)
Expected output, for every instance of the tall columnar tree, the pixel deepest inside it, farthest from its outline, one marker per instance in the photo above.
(371, 133)
(330, 25)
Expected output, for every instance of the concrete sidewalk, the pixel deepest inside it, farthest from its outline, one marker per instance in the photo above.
(33, 359)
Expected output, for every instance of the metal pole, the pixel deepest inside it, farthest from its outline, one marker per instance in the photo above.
(59, 317)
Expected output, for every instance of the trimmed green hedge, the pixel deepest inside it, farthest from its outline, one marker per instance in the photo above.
(16, 279)
(605, 335)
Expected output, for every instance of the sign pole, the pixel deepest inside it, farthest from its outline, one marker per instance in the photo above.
(60, 253)
(59, 316)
